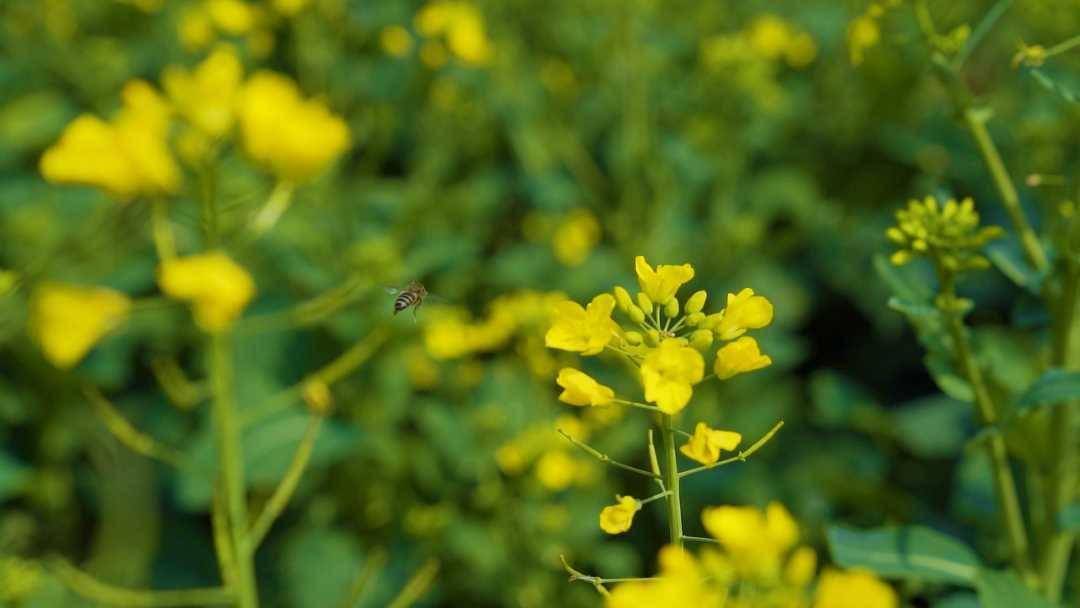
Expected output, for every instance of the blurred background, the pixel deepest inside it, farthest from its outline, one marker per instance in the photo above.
(514, 152)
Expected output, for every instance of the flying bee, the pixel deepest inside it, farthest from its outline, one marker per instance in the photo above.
(410, 296)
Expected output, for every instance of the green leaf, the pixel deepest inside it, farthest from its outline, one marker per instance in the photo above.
(934, 427)
(1053, 387)
(903, 281)
(318, 566)
(1003, 590)
(1007, 256)
(1069, 518)
(13, 476)
(964, 599)
(912, 552)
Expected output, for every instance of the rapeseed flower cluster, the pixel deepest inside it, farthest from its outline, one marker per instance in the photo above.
(755, 562)
(204, 23)
(553, 462)
(449, 333)
(457, 26)
(131, 156)
(948, 233)
(768, 37)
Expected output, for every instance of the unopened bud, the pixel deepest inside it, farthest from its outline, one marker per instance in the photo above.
(644, 302)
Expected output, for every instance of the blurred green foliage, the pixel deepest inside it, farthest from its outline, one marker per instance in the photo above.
(596, 131)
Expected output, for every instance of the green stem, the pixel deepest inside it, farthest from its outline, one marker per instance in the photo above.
(231, 459)
(284, 491)
(164, 243)
(741, 456)
(1004, 484)
(604, 457)
(91, 588)
(1063, 458)
(208, 200)
(671, 478)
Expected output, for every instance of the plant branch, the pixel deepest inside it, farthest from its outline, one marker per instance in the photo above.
(93, 589)
(741, 456)
(284, 491)
(604, 457)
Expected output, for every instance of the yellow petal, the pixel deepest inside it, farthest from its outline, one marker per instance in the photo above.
(740, 356)
(580, 389)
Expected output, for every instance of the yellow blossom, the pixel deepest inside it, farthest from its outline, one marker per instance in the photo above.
(127, 157)
(217, 287)
(462, 25)
(617, 518)
(756, 540)
(290, 7)
(396, 40)
(705, 445)
(295, 137)
(556, 470)
(575, 237)
(232, 16)
(696, 302)
(206, 96)
(853, 589)
(195, 29)
(769, 36)
(662, 283)
(68, 320)
(740, 356)
(800, 567)
(863, 33)
(744, 311)
(681, 582)
(583, 330)
(669, 372)
(580, 389)
(949, 232)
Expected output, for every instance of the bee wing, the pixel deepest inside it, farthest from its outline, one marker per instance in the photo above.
(436, 298)
(392, 290)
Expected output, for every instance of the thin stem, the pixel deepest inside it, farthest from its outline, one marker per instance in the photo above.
(653, 498)
(128, 435)
(643, 406)
(654, 463)
(596, 581)
(741, 456)
(284, 491)
(604, 457)
(231, 459)
(91, 588)
(417, 586)
(671, 479)
(208, 203)
(276, 205)
(1062, 47)
(701, 539)
(1004, 484)
(164, 243)
(222, 538)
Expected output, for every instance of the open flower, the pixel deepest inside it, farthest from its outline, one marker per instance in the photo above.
(580, 389)
(682, 581)
(743, 311)
(853, 589)
(757, 540)
(126, 158)
(661, 284)
(669, 372)
(617, 518)
(705, 445)
(206, 96)
(217, 287)
(68, 320)
(296, 138)
(740, 356)
(583, 330)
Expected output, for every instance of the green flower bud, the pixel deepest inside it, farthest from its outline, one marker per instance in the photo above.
(696, 302)
(644, 302)
(712, 320)
(634, 338)
(654, 337)
(671, 309)
(636, 315)
(695, 318)
(623, 299)
(701, 339)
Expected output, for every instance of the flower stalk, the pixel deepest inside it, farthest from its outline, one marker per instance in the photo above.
(671, 479)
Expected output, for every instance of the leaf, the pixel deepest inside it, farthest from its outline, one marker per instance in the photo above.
(1054, 387)
(13, 476)
(912, 552)
(999, 589)
(1069, 518)
(903, 282)
(934, 427)
(948, 380)
(1007, 256)
(962, 599)
(318, 566)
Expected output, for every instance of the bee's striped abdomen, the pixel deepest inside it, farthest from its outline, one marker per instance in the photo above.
(405, 300)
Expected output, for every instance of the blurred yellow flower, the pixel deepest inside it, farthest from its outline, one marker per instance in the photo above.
(862, 34)
(740, 356)
(126, 158)
(583, 330)
(853, 589)
(743, 311)
(217, 287)
(705, 445)
(463, 27)
(232, 16)
(755, 540)
(68, 320)
(801, 50)
(580, 389)
(662, 283)
(396, 40)
(800, 567)
(681, 582)
(669, 372)
(296, 138)
(290, 7)
(195, 29)
(206, 96)
(556, 470)
(317, 397)
(575, 237)
(768, 36)
(617, 518)
(433, 54)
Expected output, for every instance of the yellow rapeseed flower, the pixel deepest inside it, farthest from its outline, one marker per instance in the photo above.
(662, 283)
(217, 287)
(800, 567)
(669, 373)
(195, 29)
(948, 232)
(206, 96)
(463, 27)
(396, 40)
(126, 158)
(556, 470)
(705, 444)
(584, 330)
(743, 311)
(290, 7)
(68, 320)
(862, 34)
(617, 518)
(853, 589)
(740, 356)
(295, 137)
(580, 389)
(681, 582)
(768, 36)
(575, 237)
(232, 16)
(756, 540)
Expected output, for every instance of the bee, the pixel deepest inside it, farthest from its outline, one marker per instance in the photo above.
(410, 296)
